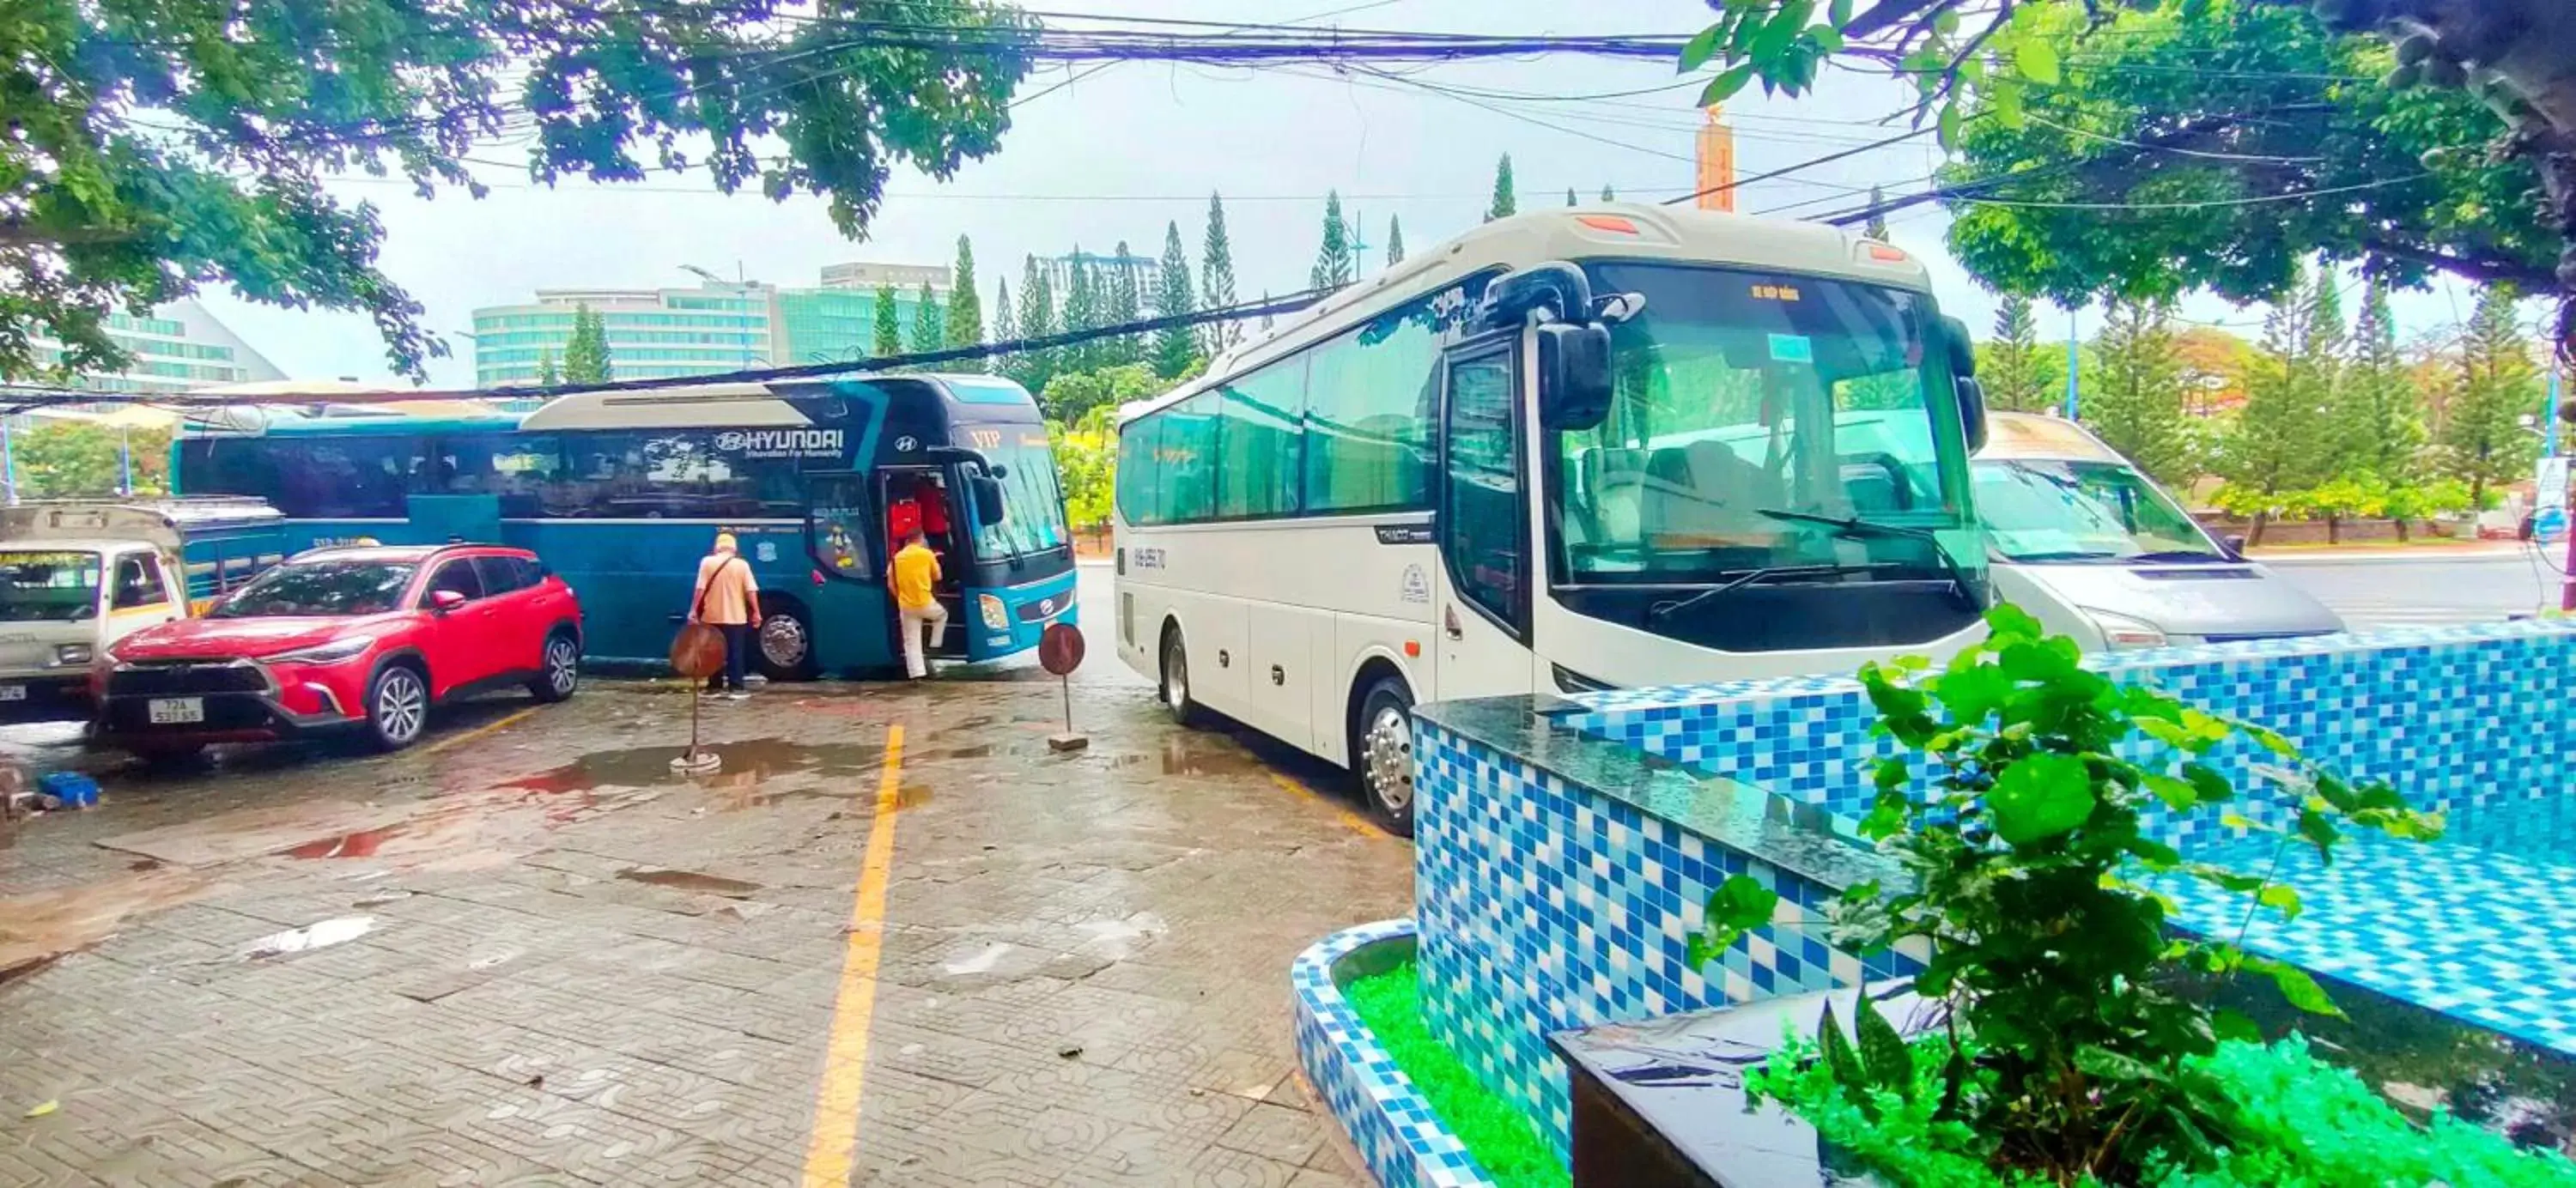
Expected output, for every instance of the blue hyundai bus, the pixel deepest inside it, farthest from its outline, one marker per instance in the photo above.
(623, 492)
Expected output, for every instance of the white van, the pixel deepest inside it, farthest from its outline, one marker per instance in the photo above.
(2093, 548)
(78, 575)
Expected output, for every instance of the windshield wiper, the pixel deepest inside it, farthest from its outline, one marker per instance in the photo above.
(1855, 526)
(1664, 610)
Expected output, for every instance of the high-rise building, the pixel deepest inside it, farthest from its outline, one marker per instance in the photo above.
(178, 347)
(1716, 188)
(717, 326)
(1059, 269)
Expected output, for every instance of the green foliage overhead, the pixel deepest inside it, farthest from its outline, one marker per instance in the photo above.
(2018, 822)
(155, 148)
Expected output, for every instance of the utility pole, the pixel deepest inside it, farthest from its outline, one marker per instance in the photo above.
(2074, 363)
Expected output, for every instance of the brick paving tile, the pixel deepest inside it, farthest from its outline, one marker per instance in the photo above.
(524, 1013)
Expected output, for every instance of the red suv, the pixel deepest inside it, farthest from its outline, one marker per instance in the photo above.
(361, 639)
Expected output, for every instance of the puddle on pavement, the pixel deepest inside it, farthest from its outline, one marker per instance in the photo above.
(983, 961)
(1182, 757)
(757, 759)
(1117, 940)
(690, 880)
(362, 844)
(335, 931)
(37, 928)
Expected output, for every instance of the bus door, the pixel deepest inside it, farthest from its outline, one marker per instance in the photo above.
(853, 614)
(927, 499)
(1483, 604)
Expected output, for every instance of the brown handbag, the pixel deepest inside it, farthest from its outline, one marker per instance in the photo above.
(699, 650)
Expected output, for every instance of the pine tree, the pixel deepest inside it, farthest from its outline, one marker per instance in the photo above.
(2135, 398)
(1394, 241)
(586, 359)
(547, 374)
(1081, 312)
(1176, 348)
(929, 324)
(2278, 443)
(1333, 265)
(965, 321)
(1122, 304)
(2482, 440)
(1216, 276)
(1570, 199)
(2015, 377)
(1506, 201)
(1037, 320)
(1608, 194)
(1006, 328)
(1877, 228)
(2378, 413)
(889, 337)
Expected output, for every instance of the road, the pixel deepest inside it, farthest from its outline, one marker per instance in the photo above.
(2427, 589)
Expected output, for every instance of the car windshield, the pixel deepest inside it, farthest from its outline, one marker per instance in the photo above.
(1032, 504)
(320, 588)
(2044, 512)
(40, 587)
(1739, 394)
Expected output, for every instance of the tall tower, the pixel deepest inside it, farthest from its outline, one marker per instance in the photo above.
(1716, 186)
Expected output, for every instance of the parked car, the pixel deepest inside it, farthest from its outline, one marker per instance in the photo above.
(77, 575)
(2094, 549)
(361, 640)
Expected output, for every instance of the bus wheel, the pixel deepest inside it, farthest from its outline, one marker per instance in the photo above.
(1176, 681)
(1382, 754)
(786, 642)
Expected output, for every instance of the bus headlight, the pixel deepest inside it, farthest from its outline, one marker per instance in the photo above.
(996, 616)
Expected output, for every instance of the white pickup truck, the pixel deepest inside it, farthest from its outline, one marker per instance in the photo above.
(78, 575)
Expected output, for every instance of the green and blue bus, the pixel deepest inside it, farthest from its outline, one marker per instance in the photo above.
(622, 493)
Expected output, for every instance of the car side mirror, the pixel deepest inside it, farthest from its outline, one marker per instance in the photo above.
(443, 601)
(1574, 382)
(2235, 546)
(988, 498)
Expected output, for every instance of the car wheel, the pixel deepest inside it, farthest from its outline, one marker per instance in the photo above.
(1382, 754)
(785, 647)
(1177, 701)
(560, 674)
(397, 707)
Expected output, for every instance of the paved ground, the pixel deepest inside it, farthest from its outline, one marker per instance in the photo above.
(2431, 588)
(969, 962)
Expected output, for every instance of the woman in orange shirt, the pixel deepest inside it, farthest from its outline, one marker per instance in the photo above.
(728, 599)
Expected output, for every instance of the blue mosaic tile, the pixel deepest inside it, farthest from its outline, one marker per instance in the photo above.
(1389, 1122)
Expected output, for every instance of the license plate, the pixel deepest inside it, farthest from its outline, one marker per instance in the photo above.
(176, 711)
(13, 692)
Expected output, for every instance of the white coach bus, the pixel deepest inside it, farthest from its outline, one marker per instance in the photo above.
(1572, 450)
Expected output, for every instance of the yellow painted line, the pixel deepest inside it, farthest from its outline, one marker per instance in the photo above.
(833, 1144)
(477, 732)
(1350, 820)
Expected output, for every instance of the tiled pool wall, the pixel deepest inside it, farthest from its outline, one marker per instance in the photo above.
(2454, 717)
(1544, 906)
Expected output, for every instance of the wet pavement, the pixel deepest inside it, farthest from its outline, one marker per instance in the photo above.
(893, 941)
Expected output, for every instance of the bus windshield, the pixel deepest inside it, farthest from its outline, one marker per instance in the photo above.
(1741, 394)
(1032, 504)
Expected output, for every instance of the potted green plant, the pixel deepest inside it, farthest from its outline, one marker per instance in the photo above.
(2081, 1046)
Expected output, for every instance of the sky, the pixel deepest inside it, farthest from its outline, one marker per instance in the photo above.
(1116, 154)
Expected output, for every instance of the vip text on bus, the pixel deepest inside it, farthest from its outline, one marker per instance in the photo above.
(623, 492)
(1566, 452)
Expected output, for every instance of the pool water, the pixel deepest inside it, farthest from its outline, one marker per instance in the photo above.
(2480, 924)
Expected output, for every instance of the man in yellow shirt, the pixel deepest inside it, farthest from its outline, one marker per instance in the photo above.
(915, 572)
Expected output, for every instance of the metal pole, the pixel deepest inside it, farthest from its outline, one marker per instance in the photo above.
(8, 462)
(125, 455)
(2074, 363)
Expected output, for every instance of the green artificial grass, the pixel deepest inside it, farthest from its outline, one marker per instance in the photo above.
(1502, 1139)
(2298, 1123)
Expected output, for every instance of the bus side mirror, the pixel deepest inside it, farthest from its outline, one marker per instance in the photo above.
(1574, 384)
(1962, 350)
(988, 498)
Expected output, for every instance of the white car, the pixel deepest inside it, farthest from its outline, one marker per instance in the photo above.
(61, 603)
(2094, 549)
